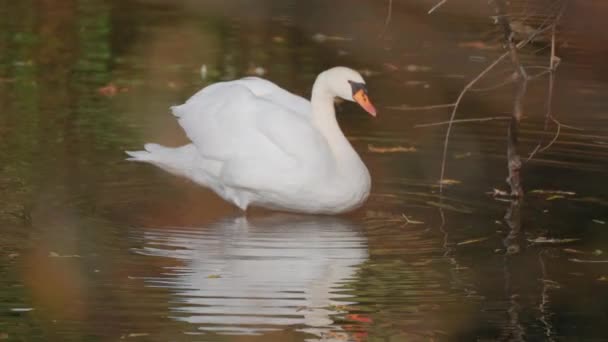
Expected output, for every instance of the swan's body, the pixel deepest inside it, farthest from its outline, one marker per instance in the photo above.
(254, 143)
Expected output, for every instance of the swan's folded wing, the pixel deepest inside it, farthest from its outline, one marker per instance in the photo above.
(265, 89)
(228, 122)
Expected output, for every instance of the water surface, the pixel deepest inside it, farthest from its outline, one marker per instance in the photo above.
(98, 249)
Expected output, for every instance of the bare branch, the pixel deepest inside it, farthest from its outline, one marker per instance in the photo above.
(559, 128)
(453, 115)
(387, 21)
(407, 108)
(436, 6)
(464, 120)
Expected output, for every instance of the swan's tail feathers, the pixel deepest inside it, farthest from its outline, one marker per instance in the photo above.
(148, 155)
(177, 111)
(179, 160)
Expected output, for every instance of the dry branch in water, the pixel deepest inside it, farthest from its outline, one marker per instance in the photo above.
(439, 4)
(520, 75)
(387, 21)
(513, 158)
(463, 120)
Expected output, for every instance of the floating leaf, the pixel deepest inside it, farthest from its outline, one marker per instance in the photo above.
(573, 251)
(471, 241)
(544, 240)
(553, 192)
(497, 192)
(214, 276)
(447, 181)
(320, 38)
(109, 90)
(391, 67)
(462, 155)
(589, 261)
(359, 318)
(393, 149)
(477, 45)
(408, 220)
(138, 334)
(57, 255)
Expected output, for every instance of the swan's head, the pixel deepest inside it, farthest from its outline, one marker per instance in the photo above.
(349, 85)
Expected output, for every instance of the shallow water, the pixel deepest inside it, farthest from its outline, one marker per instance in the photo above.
(96, 248)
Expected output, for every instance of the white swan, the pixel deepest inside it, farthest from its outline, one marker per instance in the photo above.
(254, 143)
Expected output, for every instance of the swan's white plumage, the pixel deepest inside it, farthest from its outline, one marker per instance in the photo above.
(255, 143)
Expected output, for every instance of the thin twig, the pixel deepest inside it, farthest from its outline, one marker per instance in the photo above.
(437, 6)
(559, 128)
(553, 63)
(519, 45)
(464, 120)
(387, 21)
(453, 115)
(407, 108)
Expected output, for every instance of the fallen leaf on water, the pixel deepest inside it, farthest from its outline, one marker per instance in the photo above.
(598, 221)
(138, 334)
(214, 276)
(462, 155)
(542, 239)
(57, 255)
(468, 242)
(476, 45)
(337, 308)
(589, 261)
(447, 181)
(408, 220)
(497, 192)
(359, 318)
(393, 149)
(553, 192)
(109, 90)
(412, 83)
(573, 251)
(203, 72)
(320, 38)
(391, 67)
(422, 263)
(417, 68)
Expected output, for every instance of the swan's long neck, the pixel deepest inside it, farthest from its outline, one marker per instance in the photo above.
(324, 118)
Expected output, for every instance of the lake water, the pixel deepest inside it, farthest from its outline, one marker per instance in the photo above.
(94, 248)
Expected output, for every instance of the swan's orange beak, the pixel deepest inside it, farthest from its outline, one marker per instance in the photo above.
(363, 100)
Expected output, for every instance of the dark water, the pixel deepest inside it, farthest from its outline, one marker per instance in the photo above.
(93, 248)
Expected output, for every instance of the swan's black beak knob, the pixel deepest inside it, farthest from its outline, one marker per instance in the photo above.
(360, 96)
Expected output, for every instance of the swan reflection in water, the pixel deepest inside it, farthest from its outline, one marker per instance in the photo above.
(250, 275)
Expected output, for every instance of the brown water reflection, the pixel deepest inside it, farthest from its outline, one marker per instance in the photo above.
(94, 248)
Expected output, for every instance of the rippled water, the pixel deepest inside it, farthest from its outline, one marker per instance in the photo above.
(96, 248)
